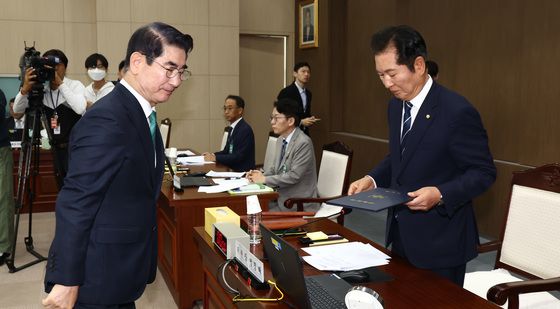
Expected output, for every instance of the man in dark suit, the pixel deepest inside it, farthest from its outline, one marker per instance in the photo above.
(104, 250)
(16, 123)
(239, 151)
(298, 92)
(438, 154)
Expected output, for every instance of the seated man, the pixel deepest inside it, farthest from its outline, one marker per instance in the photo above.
(293, 172)
(16, 123)
(239, 151)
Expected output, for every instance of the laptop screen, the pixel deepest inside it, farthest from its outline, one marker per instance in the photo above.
(286, 266)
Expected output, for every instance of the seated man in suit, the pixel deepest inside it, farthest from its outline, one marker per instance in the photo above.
(16, 123)
(293, 173)
(239, 151)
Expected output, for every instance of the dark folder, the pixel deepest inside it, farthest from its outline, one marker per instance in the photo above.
(192, 181)
(373, 200)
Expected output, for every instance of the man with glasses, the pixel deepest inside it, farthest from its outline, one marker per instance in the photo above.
(293, 172)
(104, 250)
(239, 151)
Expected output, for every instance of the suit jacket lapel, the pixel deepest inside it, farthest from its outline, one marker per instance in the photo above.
(140, 124)
(421, 124)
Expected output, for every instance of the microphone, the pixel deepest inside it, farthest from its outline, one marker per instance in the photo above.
(176, 187)
(293, 229)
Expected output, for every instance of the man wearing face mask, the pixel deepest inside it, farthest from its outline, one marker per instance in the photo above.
(63, 100)
(96, 66)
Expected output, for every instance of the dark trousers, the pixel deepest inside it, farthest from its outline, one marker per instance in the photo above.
(455, 274)
(92, 306)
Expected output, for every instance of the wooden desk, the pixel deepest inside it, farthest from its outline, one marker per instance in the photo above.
(410, 287)
(46, 190)
(178, 213)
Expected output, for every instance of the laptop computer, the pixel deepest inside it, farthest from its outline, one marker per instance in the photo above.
(308, 292)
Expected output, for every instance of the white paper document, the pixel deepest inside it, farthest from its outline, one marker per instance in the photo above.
(224, 185)
(327, 210)
(192, 160)
(225, 174)
(345, 256)
(186, 152)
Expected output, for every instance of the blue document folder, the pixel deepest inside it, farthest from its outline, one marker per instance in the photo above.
(373, 200)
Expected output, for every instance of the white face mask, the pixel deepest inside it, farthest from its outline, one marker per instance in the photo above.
(96, 74)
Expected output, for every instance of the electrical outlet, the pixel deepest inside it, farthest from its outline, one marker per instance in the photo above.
(250, 261)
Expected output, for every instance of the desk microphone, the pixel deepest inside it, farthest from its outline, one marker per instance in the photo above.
(293, 229)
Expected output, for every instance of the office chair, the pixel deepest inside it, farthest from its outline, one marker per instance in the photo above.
(225, 137)
(270, 150)
(165, 130)
(529, 245)
(333, 179)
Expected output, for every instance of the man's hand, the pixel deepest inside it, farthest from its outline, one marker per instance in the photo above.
(424, 198)
(255, 176)
(61, 297)
(209, 156)
(363, 184)
(309, 121)
(28, 81)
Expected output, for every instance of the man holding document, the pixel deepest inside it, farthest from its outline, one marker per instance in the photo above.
(438, 155)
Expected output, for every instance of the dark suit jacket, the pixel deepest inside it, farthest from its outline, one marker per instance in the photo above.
(292, 92)
(242, 143)
(447, 148)
(106, 237)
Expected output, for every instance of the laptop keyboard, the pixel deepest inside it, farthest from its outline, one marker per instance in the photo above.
(319, 297)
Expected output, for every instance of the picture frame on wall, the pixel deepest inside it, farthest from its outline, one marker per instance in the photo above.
(308, 21)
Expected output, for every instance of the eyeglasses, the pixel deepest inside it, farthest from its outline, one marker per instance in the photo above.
(184, 74)
(276, 117)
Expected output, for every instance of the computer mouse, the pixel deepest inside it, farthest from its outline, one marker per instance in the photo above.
(354, 276)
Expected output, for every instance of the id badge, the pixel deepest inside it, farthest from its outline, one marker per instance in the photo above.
(55, 125)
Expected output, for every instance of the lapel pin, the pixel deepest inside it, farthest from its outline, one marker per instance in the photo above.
(428, 116)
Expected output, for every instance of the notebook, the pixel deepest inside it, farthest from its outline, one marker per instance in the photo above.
(316, 292)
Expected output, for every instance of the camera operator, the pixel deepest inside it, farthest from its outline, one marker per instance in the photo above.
(64, 101)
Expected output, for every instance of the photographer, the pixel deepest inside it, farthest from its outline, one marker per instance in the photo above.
(64, 101)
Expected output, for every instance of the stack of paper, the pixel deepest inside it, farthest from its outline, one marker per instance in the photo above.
(345, 256)
(194, 160)
(225, 174)
(224, 185)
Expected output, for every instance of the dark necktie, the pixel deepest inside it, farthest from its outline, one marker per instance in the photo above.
(153, 126)
(407, 121)
(282, 152)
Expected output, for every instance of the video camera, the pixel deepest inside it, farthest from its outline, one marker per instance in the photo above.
(44, 66)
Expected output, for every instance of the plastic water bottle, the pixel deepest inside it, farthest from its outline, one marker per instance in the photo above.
(254, 217)
(253, 227)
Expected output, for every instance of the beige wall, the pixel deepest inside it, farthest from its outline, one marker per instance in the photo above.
(83, 27)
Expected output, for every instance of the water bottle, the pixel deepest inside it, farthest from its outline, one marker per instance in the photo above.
(254, 220)
(254, 217)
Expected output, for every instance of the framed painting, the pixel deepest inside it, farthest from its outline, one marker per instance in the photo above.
(308, 21)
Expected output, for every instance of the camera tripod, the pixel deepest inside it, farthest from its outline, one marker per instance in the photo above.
(28, 166)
